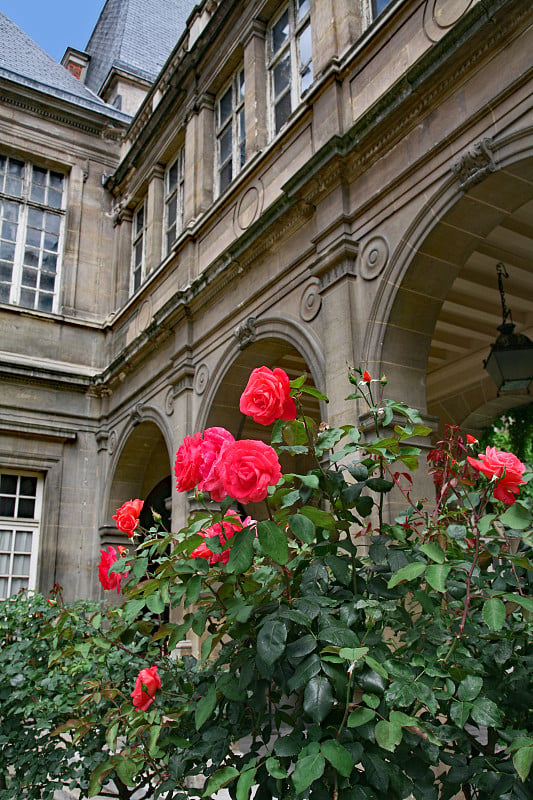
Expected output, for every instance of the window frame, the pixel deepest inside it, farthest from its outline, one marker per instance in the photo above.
(37, 247)
(295, 90)
(235, 122)
(138, 237)
(174, 191)
(19, 524)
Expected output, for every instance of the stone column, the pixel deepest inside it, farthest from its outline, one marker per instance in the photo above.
(72, 234)
(255, 96)
(154, 218)
(199, 155)
(122, 255)
(335, 25)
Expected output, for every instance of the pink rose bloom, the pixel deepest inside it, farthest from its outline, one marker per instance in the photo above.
(146, 685)
(214, 441)
(112, 581)
(127, 516)
(247, 468)
(504, 466)
(267, 396)
(187, 464)
(224, 530)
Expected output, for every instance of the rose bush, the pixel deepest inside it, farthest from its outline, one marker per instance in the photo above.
(341, 655)
(107, 580)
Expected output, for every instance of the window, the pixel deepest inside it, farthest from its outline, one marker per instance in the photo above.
(139, 228)
(20, 508)
(174, 182)
(231, 135)
(31, 223)
(290, 60)
(378, 6)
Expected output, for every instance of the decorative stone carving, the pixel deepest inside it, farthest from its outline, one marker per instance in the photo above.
(112, 443)
(474, 165)
(440, 15)
(248, 208)
(201, 379)
(144, 315)
(137, 414)
(246, 332)
(373, 257)
(169, 401)
(337, 262)
(102, 439)
(311, 301)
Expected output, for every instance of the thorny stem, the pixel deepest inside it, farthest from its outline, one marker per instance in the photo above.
(469, 582)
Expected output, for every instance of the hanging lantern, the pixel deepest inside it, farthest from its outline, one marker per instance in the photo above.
(510, 362)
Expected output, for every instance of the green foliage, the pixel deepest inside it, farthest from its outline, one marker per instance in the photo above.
(342, 656)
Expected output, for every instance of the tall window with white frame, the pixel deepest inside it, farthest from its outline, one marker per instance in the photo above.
(289, 60)
(20, 511)
(230, 133)
(31, 228)
(138, 261)
(174, 187)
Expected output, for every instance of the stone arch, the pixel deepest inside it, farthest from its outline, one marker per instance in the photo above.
(438, 307)
(142, 459)
(272, 339)
(221, 407)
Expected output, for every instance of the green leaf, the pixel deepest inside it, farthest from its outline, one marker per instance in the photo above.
(376, 666)
(126, 770)
(273, 542)
(456, 531)
(338, 756)
(241, 553)
(436, 575)
(192, 593)
(274, 768)
(302, 527)
(521, 600)
(310, 480)
(522, 761)
(132, 609)
(433, 551)
(407, 573)
(470, 687)
(353, 653)
(485, 712)
(321, 519)
(494, 613)
(360, 717)
(271, 641)
(155, 603)
(314, 393)
(379, 485)
(516, 516)
(97, 776)
(308, 768)
(305, 671)
(388, 735)
(459, 713)
(302, 646)
(318, 699)
(205, 707)
(245, 783)
(221, 778)
(426, 696)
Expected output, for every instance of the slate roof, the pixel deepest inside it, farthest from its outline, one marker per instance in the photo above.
(135, 36)
(22, 61)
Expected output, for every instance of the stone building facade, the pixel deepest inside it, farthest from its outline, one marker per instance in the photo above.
(299, 183)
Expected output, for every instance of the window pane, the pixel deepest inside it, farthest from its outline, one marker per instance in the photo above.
(171, 237)
(46, 302)
(304, 42)
(33, 237)
(225, 144)
(7, 251)
(225, 106)
(56, 181)
(29, 277)
(26, 509)
(241, 84)
(18, 584)
(7, 506)
(10, 211)
(31, 257)
(303, 9)
(35, 218)
(3, 588)
(27, 298)
(5, 540)
(306, 79)
(51, 242)
(38, 193)
(6, 272)
(5, 561)
(49, 262)
(54, 198)
(226, 176)
(52, 222)
(47, 282)
(282, 111)
(8, 484)
(172, 209)
(139, 220)
(280, 32)
(9, 231)
(282, 75)
(23, 540)
(172, 178)
(28, 485)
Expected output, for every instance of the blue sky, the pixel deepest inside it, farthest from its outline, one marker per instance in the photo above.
(54, 24)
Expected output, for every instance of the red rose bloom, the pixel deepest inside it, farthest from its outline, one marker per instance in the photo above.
(504, 466)
(470, 439)
(267, 396)
(187, 465)
(214, 440)
(366, 377)
(127, 516)
(224, 530)
(247, 468)
(110, 582)
(146, 685)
